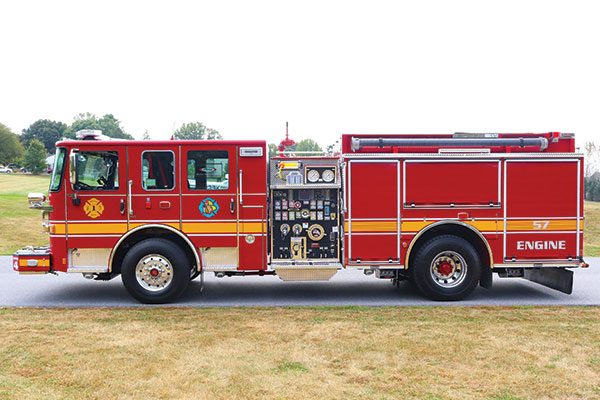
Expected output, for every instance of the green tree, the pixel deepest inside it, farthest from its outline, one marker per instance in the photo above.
(273, 150)
(196, 131)
(108, 124)
(308, 145)
(46, 131)
(11, 150)
(35, 157)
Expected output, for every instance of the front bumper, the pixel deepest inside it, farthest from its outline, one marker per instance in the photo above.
(32, 260)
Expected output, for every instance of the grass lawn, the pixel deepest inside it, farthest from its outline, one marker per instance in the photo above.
(20, 226)
(301, 353)
(591, 235)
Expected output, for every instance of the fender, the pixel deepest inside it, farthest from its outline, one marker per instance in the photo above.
(447, 222)
(166, 227)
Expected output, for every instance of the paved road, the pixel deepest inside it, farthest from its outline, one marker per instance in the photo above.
(345, 288)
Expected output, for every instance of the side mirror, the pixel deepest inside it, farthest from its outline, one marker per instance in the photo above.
(73, 166)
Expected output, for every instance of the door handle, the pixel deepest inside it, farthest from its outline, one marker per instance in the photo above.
(232, 205)
(241, 187)
(122, 206)
(129, 198)
(74, 199)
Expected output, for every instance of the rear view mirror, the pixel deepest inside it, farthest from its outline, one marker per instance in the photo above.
(73, 166)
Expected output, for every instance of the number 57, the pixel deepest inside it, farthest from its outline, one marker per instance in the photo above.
(540, 225)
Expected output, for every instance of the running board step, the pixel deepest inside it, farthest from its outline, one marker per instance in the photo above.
(305, 273)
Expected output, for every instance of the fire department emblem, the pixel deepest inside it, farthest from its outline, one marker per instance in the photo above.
(209, 207)
(93, 208)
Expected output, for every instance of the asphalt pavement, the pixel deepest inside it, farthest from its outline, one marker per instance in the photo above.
(346, 288)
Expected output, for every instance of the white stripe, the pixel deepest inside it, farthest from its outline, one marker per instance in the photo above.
(93, 235)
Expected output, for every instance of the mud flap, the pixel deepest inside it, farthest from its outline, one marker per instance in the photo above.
(486, 278)
(559, 279)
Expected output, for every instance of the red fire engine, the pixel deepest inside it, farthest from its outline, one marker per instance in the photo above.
(443, 211)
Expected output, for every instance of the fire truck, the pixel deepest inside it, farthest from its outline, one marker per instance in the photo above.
(442, 211)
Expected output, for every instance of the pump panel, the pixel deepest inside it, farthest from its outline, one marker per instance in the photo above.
(305, 210)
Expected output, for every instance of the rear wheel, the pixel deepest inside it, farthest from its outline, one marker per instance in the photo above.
(155, 271)
(446, 268)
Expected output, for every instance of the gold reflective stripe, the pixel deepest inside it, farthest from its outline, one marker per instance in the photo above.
(481, 225)
(543, 225)
(209, 227)
(252, 227)
(369, 226)
(136, 224)
(188, 227)
(112, 227)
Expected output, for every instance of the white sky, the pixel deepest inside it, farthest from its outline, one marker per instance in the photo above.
(328, 68)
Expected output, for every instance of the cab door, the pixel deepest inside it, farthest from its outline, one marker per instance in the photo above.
(209, 203)
(252, 200)
(95, 206)
(153, 186)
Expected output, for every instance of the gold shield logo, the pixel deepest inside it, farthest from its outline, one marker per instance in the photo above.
(93, 208)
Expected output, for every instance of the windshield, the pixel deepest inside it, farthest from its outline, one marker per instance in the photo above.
(57, 170)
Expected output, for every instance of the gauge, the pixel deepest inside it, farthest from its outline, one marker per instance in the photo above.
(328, 175)
(297, 229)
(316, 232)
(312, 175)
(304, 213)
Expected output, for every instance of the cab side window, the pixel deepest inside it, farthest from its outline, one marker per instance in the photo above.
(96, 170)
(208, 170)
(158, 170)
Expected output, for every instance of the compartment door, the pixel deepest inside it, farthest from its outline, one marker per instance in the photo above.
(373, 218)
(543, 210)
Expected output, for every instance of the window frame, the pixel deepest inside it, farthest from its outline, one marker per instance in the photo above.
(142, 182)
(187, 160)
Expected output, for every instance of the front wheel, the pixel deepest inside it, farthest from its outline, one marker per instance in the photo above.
(155, 271)
(446, 268)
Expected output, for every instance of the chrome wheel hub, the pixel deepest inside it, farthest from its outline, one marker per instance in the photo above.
(448, 269)
(154, 272)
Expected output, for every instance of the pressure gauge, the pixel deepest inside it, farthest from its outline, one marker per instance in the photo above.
(316, 232)
(312, 175)
(296, 229)
(328, 175)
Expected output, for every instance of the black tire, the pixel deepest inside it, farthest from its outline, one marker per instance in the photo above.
(162, 255)
(456, 270)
